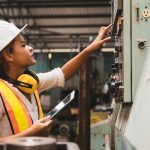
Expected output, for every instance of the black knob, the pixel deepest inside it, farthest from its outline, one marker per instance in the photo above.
(116, 54)
(114, 70)
(117, 48)
(113, 82)
(113, 66)
(118, 83)
(116, 64)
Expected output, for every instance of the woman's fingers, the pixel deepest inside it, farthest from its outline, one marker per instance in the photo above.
(105, 29)
(49, 122)
(48, 125)
(108, 27)
(105, 40)
(45, 119)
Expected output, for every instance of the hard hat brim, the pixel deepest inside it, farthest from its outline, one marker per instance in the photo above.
(23, 28)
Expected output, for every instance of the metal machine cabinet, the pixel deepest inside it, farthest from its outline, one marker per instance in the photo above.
(135, 43)
(102, 133)
(121, 142)
(127, 51)
(140, 36)
(137, 130)
(133, 52)
(136, 64)
(131, 32)
(98, 133)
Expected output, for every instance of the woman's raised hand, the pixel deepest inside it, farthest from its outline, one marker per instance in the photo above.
(102, 37)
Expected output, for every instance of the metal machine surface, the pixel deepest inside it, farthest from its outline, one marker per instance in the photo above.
(130, 80)
(132, 129)
(30, 143)
(103, 133)
(137, 130)
(37, 143)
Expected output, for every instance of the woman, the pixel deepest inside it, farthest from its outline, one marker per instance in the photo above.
(20, 110)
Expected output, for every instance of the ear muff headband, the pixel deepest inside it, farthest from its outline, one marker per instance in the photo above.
(19, 83)
(27, 82)
(31, 73)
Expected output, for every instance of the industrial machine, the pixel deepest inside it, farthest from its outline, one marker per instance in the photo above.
(37, 143)
(128, 127)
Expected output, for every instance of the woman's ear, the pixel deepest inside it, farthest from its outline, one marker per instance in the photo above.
(8, 56)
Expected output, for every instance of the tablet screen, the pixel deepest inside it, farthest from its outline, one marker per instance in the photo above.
(61, 105)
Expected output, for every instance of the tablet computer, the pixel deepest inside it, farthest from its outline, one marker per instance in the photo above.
(61, 105)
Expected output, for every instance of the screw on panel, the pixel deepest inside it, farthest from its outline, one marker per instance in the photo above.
(141, 43)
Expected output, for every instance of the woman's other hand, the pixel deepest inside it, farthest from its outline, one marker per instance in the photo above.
(42, 127)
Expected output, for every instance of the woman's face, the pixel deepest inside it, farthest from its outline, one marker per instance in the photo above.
(22, 53)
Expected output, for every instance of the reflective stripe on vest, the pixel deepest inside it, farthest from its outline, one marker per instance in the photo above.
(18, 114)
(41, 115)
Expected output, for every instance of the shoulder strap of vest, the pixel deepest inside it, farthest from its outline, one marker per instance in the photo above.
(40, 111)
(18, 114)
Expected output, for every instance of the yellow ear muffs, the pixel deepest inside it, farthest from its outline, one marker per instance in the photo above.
(28, 82)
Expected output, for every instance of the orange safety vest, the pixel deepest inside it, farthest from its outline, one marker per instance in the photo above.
(17, 113)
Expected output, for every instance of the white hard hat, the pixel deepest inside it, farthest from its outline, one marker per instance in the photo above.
(8, 32)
